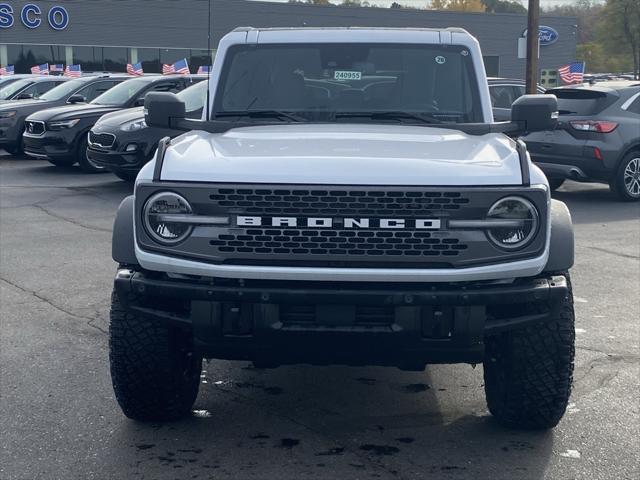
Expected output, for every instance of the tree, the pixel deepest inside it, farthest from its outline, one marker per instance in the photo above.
(503, 6)
(458, 5)
(619, 29)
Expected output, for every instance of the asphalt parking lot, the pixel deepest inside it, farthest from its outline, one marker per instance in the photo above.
(59, 418)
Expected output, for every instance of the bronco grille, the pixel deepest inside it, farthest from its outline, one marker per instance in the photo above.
(104, 140)
(297, 202)
(338, 242)
(277, 227)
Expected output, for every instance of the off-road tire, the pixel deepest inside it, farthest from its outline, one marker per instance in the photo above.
(154, 372)
(528, 372)
(555, 183)
(85, 164)
(625, 172)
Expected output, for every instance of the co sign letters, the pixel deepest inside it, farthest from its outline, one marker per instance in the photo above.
(32, 16)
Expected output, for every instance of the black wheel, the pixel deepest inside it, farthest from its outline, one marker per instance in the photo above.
(528, 372)
(555, 183)
(86, 164)
(154, 372)
(626, 183)
(125, 175)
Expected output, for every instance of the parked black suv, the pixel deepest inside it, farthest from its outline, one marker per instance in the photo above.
(60, 134)
(79, 90)
(29, 88)
(123, 143)
(597, 138)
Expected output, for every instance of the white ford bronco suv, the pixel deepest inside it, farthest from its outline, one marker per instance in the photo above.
(345, 199)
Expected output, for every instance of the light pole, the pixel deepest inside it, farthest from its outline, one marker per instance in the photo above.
(533, 21)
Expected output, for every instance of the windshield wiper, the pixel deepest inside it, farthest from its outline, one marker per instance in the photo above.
(391, 115)
(261, 114)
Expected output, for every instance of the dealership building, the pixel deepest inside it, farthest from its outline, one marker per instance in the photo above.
(105, 35)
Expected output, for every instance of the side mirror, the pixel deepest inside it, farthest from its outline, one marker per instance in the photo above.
(76, 99)
(163, 110)
(535, 112)
(24, 96)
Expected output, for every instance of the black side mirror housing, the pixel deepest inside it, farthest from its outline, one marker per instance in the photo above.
(163, 110)
(76, 99)
(24, 96)
(535, 112)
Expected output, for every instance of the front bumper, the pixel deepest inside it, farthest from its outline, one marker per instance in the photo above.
(120, 160)
(49, 145)
(274, 323)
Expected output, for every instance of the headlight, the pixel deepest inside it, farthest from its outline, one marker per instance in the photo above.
(519, 226)
(61, 125)
(8, 114)
(134, 126)
(157, 218)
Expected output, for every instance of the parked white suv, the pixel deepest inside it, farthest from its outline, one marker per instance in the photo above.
(347, 199)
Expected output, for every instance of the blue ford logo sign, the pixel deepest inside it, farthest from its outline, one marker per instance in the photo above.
(546, 35)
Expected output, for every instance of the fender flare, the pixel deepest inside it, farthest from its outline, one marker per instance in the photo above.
(561, 244)
(123, 239)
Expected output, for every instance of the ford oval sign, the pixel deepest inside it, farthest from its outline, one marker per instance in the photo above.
(547, 35)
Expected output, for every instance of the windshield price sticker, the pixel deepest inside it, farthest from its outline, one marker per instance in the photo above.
(347, 75)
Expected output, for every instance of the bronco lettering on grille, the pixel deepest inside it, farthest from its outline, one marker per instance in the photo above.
(329, 222)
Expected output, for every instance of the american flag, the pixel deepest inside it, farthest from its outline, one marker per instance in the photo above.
(73, 71)
(181, 67)
(135, 69)
(40, 69)
(572, 73)
(58, 67)
(8, 70)
(204, 69)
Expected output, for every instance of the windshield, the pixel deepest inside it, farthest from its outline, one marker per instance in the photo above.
(121, 93)
(367, 82)
(194, 96)
(8, 90)
(63, 90)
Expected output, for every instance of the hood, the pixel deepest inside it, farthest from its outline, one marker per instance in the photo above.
(344, 154)
(119, 117)
(69, 112)
(15, 104)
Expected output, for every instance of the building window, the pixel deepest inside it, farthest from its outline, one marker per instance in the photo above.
(150, 58)
(90, 58)
(492, 65)
(199, 58)
(26, 56)
(115, 59)
(170, 56)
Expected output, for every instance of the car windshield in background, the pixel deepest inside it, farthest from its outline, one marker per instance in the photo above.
(363, 82)
(194, 96)
(8, 90)
(63, 90)
(121, 93)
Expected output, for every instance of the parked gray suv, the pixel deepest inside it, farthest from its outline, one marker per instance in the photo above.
(597, 138)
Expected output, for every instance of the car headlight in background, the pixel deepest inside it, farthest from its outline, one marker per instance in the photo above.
(134, 126)
(62, 124)
(8, 114)
(158, 221)
(520, 221)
